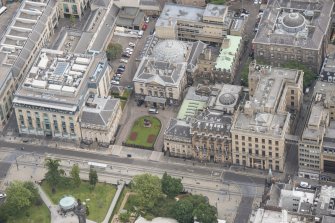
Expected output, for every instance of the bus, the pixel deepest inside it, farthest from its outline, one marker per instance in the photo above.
(3, 9)
(97, 166)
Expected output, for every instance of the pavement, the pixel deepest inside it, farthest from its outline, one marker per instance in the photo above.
(210, 181)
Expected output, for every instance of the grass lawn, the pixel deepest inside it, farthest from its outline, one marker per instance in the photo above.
(144, 136)
(161, 209)
(123, 104)
(217, 2)
(33, 214)
(100, 198)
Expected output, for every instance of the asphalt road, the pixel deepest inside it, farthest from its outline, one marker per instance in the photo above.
(163, 166)
(244, 210)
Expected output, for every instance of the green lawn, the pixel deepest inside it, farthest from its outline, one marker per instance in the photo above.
(123, 104)
(144, 136)
(100, 198)
(33, 214)
(161, 209)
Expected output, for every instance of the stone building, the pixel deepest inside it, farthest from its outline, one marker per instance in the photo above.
(164, 69)
(316, 146)
(20, 45)
(191, 23)
(259, 128)
(219, 67)
(296, 30)
(206, 122)
(100, 119)
(50, 100)
(177, 139)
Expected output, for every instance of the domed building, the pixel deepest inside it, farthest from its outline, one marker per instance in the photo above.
(162, 73)
(173, 51)
(297, 30)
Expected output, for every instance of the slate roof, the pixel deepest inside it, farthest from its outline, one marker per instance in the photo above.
(270, 31)
(178, 128)
(197, 48)
(101, 114)
(163, 73)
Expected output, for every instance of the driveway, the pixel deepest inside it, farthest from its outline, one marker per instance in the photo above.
(133, 112)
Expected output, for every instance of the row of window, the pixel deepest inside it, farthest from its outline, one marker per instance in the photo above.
(256, 152)
(256, 140)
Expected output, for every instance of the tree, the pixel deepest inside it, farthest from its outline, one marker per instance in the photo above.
(171, 186)
(124, 217)
(114, 51)
(148, 189)
(93, 177)
(73, 20)
(18, 198)
(182, 211)
(205, 213)
(309, 76)
(54, 175)
(75, 175)
(34, 191)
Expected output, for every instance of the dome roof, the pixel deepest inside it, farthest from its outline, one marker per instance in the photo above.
(170, 50)
(67, 203)
(294, 21)
(227, 99)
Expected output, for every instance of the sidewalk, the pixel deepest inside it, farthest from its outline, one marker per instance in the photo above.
(134, 153)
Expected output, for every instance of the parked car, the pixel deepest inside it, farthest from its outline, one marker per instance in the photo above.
(147, 20)
(132, 44)
(255, 2)
(3, 195)
(125, 54)
(153, 111)
(118, 75)
(117, 78)
(129, 49)
(140, 34)
(122, 66)
(140, 102)
(123, 61)
(120, 70)
(129, 52)
(144, 27)
(114, 82)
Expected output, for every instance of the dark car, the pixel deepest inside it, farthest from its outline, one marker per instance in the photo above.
(122, 66)
(125, 55)
(119, 70)
(140, 102)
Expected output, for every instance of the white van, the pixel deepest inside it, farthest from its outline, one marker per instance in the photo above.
(153, 111)
(140, 34)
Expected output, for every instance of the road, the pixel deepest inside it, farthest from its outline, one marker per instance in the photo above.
(196, 179)
(145, 165)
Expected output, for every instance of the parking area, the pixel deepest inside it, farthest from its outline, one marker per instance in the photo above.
(132, 64)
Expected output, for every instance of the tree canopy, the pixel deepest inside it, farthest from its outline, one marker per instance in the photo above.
(148, 188)
(75, 175)
(20, 195)
(183, 211)
(205, 213)
(171, 186)
(93, 177)
(114, 51)
(53, 175)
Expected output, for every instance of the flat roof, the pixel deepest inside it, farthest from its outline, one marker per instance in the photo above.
(215, 10)
(271, 81)
(60, 80)
(265, 123)
(229, 48)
